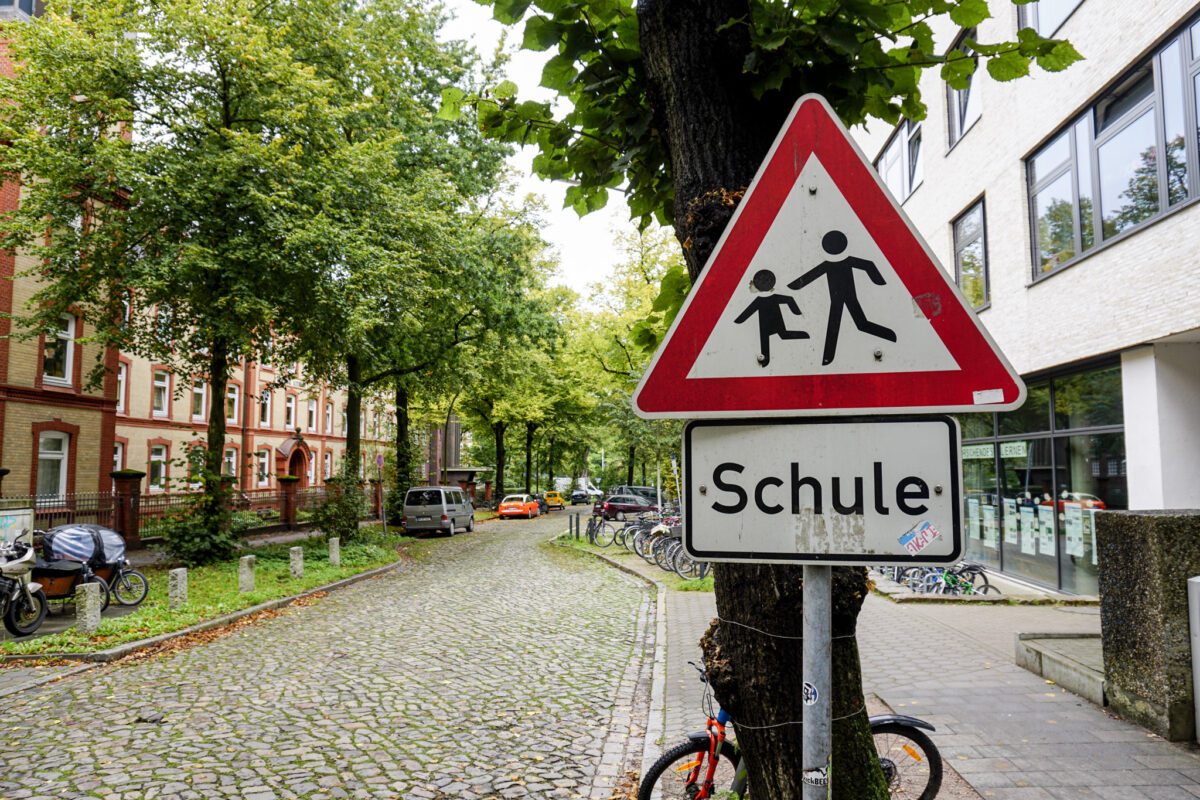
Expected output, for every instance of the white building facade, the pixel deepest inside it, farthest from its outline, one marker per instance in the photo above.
(1065, 204)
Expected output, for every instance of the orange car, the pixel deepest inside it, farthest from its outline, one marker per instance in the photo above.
(519, 505)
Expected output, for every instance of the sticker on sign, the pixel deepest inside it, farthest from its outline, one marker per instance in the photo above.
(878, 490)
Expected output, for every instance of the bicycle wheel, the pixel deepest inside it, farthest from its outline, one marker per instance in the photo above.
(639, 542)
(680, 772)
(130, 587)
(687, 567)
(986, 589)
(664, 554)
(604, 534)
(911, 763)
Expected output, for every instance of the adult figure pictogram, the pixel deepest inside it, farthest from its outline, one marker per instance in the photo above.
(769, 308)
(842, 294)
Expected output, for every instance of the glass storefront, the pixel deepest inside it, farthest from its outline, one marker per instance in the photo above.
(1034, 478)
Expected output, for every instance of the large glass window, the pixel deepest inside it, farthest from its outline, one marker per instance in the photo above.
(232, 395)
(289, 412)
(199, 392)
(1032, 489)
(1126, 160)
(53, 449)
(963, 105)
(229, 462)
(161, 393)
(312, 416)
(1045, 16)
(899, 165)
(158, 467)
(58, 357)
(264, 467)
(970, 256)
(264, 408)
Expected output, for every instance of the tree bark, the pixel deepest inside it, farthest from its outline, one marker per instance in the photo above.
(530, 427)
(403, 445)
(498, 429)
(629, 469)
(214, 451)
(353, 414)
(717, 134)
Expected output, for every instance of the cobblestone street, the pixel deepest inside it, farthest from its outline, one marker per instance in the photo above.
(491, 666)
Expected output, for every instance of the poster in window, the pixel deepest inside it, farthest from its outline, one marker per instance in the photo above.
(1074, 523)
(1029, 541)
(1012, 523)
(1046, 543)
(974, 530)
(990, 534)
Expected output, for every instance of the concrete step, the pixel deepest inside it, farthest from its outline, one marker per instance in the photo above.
(1073, 661)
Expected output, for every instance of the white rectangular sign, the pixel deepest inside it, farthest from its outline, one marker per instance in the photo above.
(880, 490)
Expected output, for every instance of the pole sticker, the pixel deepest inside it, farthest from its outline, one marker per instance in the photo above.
(817, 776)
(809, 694)
(919, 538)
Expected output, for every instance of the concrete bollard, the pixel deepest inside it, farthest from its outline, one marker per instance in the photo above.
(246, 574)
(87, 608)
(176, 589)
(297, 554)
(335, 551)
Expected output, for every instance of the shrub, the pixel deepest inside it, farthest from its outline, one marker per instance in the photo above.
(242, 521)
(197, 534)
(342, 509)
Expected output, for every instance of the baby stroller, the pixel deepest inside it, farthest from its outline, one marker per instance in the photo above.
(74, 554)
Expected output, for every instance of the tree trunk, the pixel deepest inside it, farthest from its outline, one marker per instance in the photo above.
(530, 427)
(498, 429)
(629, 468)
(446, 440)
(218, 381)
(403, 445)
(353, 415)
(717, 135)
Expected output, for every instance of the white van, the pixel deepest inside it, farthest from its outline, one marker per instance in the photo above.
(438, 508)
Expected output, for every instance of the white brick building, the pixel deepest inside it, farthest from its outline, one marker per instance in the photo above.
(1081, 248)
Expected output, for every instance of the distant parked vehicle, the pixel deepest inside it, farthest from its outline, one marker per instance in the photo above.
(438, 508)
(555, 500)
(519, 505)
(622, 506)
(580, 496)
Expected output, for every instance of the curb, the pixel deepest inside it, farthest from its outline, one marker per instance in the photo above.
(658, 680)
(36, 682)
(122, 650)
(897, 593)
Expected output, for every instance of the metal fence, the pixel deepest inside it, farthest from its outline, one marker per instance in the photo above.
(98, 508)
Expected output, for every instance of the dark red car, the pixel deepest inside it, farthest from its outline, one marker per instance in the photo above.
(620, 506)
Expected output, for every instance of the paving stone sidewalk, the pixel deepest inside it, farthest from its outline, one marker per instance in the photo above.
(492, 667)
(1010, 734)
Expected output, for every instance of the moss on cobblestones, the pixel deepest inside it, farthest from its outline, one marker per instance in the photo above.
(213, 591)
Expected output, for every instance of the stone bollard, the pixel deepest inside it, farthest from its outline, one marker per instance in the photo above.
(87, 608)
(335, 551)
(297, 554)
(176, 589)
(246, 574)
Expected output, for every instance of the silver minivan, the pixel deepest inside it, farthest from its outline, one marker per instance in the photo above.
(438, 508)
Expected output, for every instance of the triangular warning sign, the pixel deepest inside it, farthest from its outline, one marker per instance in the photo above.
(822, 298)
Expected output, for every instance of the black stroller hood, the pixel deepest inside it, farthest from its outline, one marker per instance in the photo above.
(92, 544)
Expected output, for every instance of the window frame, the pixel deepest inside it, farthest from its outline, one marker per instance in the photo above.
(289, 412)
(225, 462)
(164, 476)
(312, 415)
(64, 338)
(959, 247)
(63, 457)
(1029, 16)
(264, 408)
(956, 106)
(122, 387)
(1087, 121)
(200, 391)
(912, 175)
(262, 465)
(328, 418)
(327, 465)
(165, 411)
(233, 392)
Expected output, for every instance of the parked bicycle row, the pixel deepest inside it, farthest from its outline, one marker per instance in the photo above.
(657, 539)
(964, 578)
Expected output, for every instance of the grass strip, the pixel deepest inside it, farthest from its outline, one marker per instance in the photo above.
(630, 558)
(213, 591)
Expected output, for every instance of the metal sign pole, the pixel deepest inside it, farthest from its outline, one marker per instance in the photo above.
(818, 707)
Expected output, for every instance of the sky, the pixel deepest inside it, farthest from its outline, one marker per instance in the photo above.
(585, 245)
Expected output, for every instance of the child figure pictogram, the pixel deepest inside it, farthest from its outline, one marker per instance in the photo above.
(769, 308)
(842, 294)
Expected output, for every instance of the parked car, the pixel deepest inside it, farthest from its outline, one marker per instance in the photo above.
(519, 505)
(580, 496)
(622, 505)
(437, 508)
(555, 500)
(647, 493)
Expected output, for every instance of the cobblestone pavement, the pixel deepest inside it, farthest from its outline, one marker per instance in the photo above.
(492, 666)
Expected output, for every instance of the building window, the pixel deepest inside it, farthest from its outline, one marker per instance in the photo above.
(118, 456)
(53, 449)
(229, 462)
(345, 422)
(899, 165)
(963, 105)
(289, 413)
(328, 417)
(161, 395)
(264, 408)
(328, 468)
(970, 256)
(264, 467)
(122, 385)
(196, 457)
(232, 395)
(58, 356)
(1126, 160)
(311, 472)
(1046, 16)
(312, 415)
(158, 467)
(199, 390)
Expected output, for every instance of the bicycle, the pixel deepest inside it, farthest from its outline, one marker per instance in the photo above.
(600, 532)
(709, 762)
